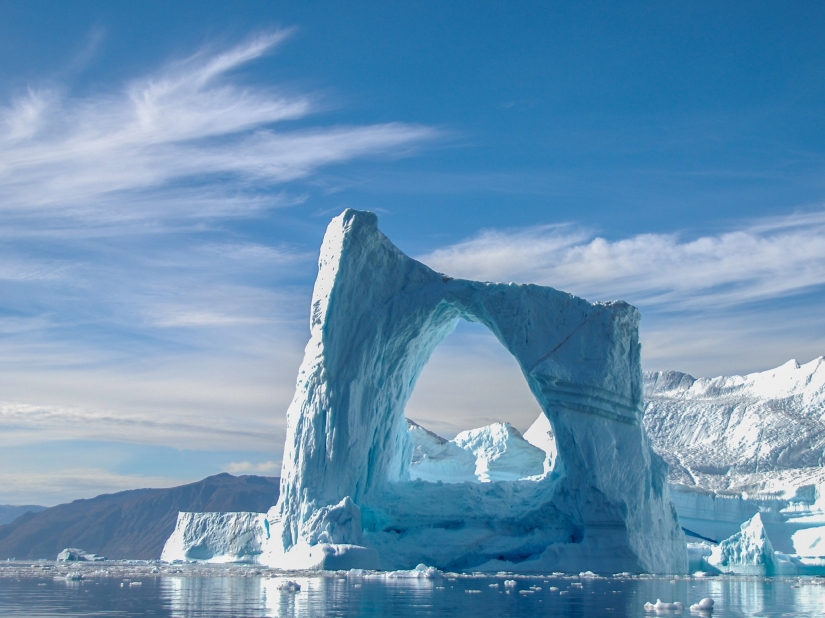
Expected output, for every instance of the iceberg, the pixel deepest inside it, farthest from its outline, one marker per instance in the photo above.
(436, 459)
(349, 498)
(216, 537)
(748, 552)
(73, 554)
(540, 435)
(496, 452)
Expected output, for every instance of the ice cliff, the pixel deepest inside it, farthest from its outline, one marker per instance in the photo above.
(348, 495)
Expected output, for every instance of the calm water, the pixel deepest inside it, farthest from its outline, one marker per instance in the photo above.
(35, 591)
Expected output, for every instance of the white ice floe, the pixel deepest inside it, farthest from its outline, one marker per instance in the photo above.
(289, 586)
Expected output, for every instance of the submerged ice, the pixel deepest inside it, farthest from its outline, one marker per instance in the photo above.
(363, 489)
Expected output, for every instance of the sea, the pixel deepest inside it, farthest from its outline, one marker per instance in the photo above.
(123, 589)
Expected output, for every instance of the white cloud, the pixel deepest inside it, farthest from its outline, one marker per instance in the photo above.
(24, 423)
(769, 259)
(131, 309)
(92, 157)
(720, 304)
(246, 467)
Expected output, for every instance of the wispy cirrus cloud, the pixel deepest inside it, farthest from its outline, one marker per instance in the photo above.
(187, 128)
(765, 259)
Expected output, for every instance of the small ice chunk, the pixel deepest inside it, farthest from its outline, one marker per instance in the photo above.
(705, 605)
(289, 586)
(661, 606)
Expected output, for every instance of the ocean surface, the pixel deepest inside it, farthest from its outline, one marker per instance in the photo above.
(34, 590)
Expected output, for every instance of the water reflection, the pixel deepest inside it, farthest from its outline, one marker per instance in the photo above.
(246, 594)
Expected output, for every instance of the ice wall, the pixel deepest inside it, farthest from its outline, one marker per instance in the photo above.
(376, 317)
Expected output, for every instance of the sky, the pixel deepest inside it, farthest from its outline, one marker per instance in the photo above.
(167, 171)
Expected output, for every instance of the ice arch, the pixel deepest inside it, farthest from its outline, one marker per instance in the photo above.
(346, 500)
(469, 412)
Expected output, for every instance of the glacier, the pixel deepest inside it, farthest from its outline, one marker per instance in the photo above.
(352, 495)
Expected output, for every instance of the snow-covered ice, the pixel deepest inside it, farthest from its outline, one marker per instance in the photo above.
(348, 496)
(540, 434)
(759, 433)
(739, 446)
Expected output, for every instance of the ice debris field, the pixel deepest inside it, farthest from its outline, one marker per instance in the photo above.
(586, 488)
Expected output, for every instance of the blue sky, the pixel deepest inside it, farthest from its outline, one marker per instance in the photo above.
(167, 171)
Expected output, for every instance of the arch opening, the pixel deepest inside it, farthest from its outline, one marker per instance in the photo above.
(472, 416)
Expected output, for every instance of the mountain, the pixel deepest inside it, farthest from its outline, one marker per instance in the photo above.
(130, 524)
(761, 432)
(9, 513)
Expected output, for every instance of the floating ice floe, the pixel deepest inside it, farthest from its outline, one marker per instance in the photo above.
(661, 606)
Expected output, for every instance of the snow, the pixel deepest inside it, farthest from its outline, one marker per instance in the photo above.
(349, 459)
(740, 433)
(739, 446)
(216, 537)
